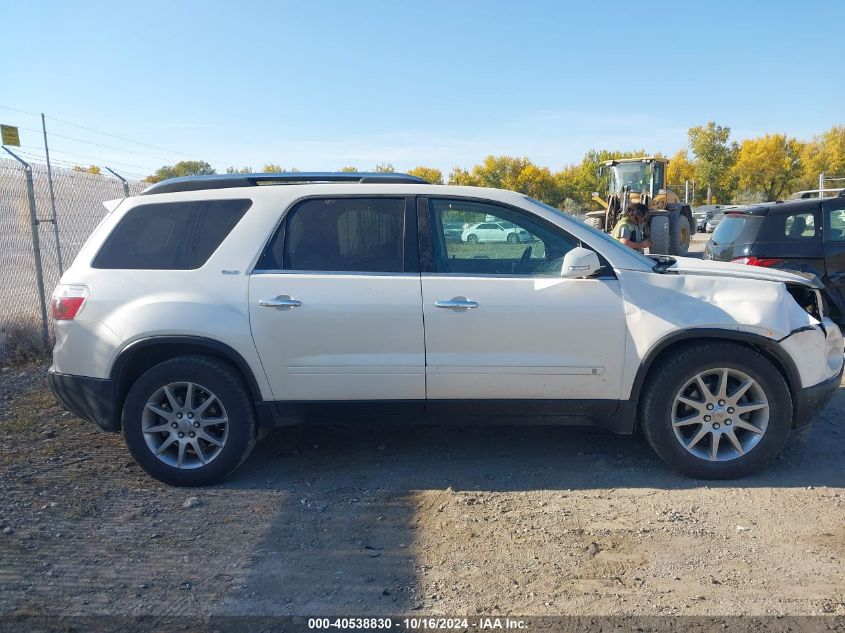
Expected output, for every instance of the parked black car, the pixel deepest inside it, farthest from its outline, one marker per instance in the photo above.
(806, 236)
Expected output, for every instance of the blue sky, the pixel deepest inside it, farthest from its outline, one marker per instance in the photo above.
(323, 85)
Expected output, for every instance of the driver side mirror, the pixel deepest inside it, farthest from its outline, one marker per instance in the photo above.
(578, 263)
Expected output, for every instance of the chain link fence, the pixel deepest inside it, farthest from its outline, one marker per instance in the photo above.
(44, 248)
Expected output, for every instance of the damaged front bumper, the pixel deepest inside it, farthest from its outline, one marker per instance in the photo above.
(818, 355)
(809, 401)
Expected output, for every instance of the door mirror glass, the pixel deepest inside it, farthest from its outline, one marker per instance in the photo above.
(579, 263)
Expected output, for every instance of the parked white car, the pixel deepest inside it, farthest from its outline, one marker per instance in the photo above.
(209, 307)
(484, 232)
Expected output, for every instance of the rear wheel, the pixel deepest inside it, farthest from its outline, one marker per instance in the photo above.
(716, 411)
(513, 238)
(189, 421)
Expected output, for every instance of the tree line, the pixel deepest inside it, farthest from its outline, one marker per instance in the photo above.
(760, 169)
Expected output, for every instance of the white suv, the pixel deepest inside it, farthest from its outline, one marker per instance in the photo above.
(210, 307)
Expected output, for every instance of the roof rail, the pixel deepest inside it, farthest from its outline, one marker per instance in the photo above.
(227, 181)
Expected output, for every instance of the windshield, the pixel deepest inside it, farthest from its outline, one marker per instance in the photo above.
(637, 176)
(611, 241)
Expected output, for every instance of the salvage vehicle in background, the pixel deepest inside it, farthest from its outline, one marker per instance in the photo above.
(495, 231)
(210, 307)
(805, 236)
(704, 213)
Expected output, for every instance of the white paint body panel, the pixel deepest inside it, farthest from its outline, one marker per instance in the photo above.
(364, 338)
(517, 342)
(355, 337)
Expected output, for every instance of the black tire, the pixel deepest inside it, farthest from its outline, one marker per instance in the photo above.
(513, 238)
(229, 389)
(672, 373)
(681, 235)
(660, 241)
(472, 238)
(596, 223)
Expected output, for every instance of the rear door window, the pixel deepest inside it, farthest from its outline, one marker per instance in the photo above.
(365, 235)
(170, 235)
(737, 229)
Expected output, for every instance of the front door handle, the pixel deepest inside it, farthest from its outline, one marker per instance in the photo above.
(456, 303)
(282, 301)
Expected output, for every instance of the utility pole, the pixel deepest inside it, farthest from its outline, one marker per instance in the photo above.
(709, 194)
(821, 184)
(52, 197)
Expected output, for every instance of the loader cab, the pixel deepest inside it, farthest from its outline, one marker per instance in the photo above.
(638, 175)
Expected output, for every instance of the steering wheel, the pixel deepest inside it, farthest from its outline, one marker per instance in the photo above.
(523, 261)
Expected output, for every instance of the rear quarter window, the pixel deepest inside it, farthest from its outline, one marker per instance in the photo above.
(737, 229)
(170, 235)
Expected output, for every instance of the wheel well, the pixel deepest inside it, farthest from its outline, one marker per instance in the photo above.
(143, 355)
(754, 342)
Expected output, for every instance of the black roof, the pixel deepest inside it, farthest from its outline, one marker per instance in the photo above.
(789, 206)
(227, 181)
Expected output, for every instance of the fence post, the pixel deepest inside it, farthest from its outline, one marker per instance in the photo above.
(122, 179)
(52, 198)
(36, 243)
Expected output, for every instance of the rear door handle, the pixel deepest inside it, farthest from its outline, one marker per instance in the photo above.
(282, 301)
(456, 303)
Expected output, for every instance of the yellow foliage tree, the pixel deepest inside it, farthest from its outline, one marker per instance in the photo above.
(825, 154)
(680, 169)
(769, 164)
(91, 169)
(429, 174)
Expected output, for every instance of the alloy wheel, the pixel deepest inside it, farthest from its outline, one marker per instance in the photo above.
(720, 414)
(185, 425)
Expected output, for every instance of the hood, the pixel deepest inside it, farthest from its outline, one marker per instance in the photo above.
(691, 266)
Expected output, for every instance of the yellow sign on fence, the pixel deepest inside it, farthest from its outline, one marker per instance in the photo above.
(10, 135)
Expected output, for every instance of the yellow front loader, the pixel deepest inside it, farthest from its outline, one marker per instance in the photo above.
(643, 180)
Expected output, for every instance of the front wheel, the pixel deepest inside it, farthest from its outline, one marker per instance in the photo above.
(189, 421)
(513, 238)
(716, 411)
(472, 239)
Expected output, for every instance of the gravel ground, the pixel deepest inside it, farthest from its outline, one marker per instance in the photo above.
(508, 520)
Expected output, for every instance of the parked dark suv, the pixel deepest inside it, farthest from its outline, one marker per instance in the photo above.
(806, 236)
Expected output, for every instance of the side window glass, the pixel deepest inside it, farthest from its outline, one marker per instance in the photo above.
(480, 238)
(170, 235)
(836, 219)
(344, 235)
(800, 225)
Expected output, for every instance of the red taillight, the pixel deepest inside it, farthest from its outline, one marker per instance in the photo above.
(67, 301)
(768, 262)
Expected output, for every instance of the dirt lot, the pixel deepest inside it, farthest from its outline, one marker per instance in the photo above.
(450, 521)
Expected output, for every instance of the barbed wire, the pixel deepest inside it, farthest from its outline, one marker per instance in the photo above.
(96, 131)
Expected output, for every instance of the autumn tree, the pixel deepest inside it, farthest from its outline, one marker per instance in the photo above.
(768, 164)
(680, 169)
(348, 169)
(429, 174)
(384, 168)
(242, 170)
(824, 154)
(91, 169)
(182, 168)
(715, 155)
